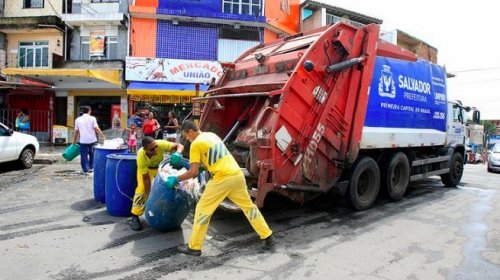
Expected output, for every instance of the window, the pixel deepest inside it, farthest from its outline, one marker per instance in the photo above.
(244, 7)
(33, 54)
(331, 19)
(33, 4)
(110, 49)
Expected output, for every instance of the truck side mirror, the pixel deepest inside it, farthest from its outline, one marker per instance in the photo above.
(476, 117)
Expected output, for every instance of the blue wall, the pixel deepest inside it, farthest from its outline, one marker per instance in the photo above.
(186, 42)
(201, 8)
(192, 6)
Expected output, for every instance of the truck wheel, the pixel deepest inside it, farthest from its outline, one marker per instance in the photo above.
(452, 178)
(396, 175)
(26, 158)
(364, 183)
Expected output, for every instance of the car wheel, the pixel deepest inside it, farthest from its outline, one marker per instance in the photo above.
(27, 158)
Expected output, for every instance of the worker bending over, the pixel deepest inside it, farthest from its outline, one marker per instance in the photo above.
(149, 158)
(227, 181)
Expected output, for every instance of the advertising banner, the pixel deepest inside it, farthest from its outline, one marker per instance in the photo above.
(116, 116)
(172, 70)
(97, 43)
(163, 99)
(405, 94)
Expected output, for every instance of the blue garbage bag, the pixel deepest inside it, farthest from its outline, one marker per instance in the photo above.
(166, 208)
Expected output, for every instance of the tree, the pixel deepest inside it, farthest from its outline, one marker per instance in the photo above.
(489, 129)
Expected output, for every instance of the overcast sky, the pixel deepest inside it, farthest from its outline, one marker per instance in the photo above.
(464, 32)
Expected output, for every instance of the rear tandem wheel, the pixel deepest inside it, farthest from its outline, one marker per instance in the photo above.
(364, 183)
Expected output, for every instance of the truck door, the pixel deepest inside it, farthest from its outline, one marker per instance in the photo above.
(456, 124)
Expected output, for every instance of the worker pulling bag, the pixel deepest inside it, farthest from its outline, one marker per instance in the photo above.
(166, 208)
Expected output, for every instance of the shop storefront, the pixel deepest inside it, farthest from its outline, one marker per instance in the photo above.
(102, 89)
(163, 85)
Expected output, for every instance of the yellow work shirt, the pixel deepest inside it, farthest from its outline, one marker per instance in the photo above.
(209, 150)
(144, 162)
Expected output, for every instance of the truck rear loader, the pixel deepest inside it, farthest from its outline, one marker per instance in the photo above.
(336, 109)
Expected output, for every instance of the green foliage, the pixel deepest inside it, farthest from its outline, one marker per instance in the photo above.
(489, 127)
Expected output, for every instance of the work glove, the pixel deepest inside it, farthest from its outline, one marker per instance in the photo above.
(175, 159)
(171, 182)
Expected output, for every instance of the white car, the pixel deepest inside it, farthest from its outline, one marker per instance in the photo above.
(16, 146)
(494, 158)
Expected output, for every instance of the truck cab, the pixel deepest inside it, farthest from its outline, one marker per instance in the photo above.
(456, 122)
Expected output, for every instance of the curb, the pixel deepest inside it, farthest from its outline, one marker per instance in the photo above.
(45, 161)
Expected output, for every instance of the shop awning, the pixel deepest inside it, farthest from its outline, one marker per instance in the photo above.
(67, 78)
(176, 89)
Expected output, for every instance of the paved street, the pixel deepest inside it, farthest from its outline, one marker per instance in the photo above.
(51, 228)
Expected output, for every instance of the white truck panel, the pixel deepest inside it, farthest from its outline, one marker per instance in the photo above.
(382, 137)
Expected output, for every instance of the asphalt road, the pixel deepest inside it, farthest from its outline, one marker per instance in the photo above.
(51, 228)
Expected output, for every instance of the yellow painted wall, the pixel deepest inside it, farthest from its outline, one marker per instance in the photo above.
(14, 39)
(14, 8)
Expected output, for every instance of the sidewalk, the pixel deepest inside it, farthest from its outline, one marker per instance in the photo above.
(49, 154)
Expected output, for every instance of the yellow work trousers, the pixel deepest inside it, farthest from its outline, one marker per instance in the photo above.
(233, 187)
(141, 194)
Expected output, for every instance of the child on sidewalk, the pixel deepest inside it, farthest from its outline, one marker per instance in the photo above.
(132, 138)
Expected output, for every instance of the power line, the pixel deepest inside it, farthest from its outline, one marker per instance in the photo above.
(475, 70)
(475, 82)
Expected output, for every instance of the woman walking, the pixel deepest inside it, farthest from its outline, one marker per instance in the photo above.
(171, 127)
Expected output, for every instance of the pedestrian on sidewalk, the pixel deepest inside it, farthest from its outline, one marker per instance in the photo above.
(171, 127)
(85, 135)
(149, 158)
(227, 181)
(150, 126)
(132, 138)
(23, 121)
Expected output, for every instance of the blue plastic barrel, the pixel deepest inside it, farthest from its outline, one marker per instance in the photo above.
(100, 171)
(121, 181)
(167, 208)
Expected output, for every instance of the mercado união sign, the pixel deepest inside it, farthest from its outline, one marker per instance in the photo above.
(171, 70)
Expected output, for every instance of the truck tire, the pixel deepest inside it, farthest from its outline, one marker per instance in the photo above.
(452, 178)
(364, 183)
(396, 175)
(26, 158)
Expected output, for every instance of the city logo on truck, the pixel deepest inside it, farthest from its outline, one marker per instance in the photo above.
(386, 87)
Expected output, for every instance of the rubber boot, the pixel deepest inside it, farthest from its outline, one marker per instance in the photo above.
(135, 223)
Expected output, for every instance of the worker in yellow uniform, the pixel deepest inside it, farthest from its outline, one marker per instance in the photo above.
(149, 158)
(227, 181)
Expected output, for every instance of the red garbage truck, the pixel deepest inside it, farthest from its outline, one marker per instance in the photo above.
(336, 109)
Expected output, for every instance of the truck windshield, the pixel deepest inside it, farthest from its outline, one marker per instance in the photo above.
(457, 114)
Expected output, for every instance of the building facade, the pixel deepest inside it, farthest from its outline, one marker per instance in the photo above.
(32, 38)
(315, 13)
(176, 46)
(75, 48)
(98, 40)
